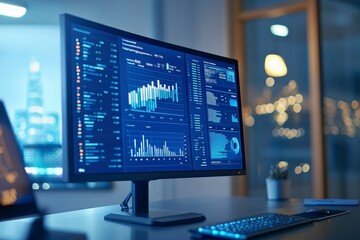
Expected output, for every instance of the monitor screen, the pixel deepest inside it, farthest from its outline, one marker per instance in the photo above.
(140, 109)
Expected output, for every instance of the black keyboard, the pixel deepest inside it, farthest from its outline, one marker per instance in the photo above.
(250, 226)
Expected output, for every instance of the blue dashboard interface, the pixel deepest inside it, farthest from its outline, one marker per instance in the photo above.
(143, 107)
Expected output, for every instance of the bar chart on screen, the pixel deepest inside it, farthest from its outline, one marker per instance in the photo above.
(155, 149)
(156, 144)
(160, 95)
(148, 96)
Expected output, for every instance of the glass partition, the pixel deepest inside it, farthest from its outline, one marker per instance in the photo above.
(341, 74)
(277, 105)
(298, 135)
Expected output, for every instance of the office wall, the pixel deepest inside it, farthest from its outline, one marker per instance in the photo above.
(135, 16)
(200, 24)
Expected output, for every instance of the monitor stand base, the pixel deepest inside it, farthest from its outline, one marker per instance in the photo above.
(155, 218)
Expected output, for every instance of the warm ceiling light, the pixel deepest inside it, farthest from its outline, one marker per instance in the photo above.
(12, 9)
(275, 66)
(279, 30)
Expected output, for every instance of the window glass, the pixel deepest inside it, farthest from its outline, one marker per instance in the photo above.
(277, 111)
(341, 74)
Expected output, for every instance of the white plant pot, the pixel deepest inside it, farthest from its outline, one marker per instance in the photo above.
(278, 189)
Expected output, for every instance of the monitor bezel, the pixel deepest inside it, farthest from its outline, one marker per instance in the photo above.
(69, 174)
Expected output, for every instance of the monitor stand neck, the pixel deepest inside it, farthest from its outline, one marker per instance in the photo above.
(140, 197)
(140, 213)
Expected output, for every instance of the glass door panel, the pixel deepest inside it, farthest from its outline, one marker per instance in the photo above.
(277, 103)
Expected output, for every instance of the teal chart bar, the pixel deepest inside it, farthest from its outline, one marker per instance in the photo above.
(147, 96)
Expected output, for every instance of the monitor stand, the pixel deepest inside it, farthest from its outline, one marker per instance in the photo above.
(140, 213)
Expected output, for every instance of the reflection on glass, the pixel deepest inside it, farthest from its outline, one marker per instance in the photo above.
(287, 102)
(341, 60)
(277, 111)
(279, 30)
(275, 66)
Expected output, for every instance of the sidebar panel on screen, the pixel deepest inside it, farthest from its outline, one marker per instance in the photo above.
(223, 115)
(214, 114)
(97, 119)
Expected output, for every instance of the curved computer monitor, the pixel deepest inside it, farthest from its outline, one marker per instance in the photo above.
(139, 109)
(16, 196)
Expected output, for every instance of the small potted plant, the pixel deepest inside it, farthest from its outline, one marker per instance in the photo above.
(278, 185)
